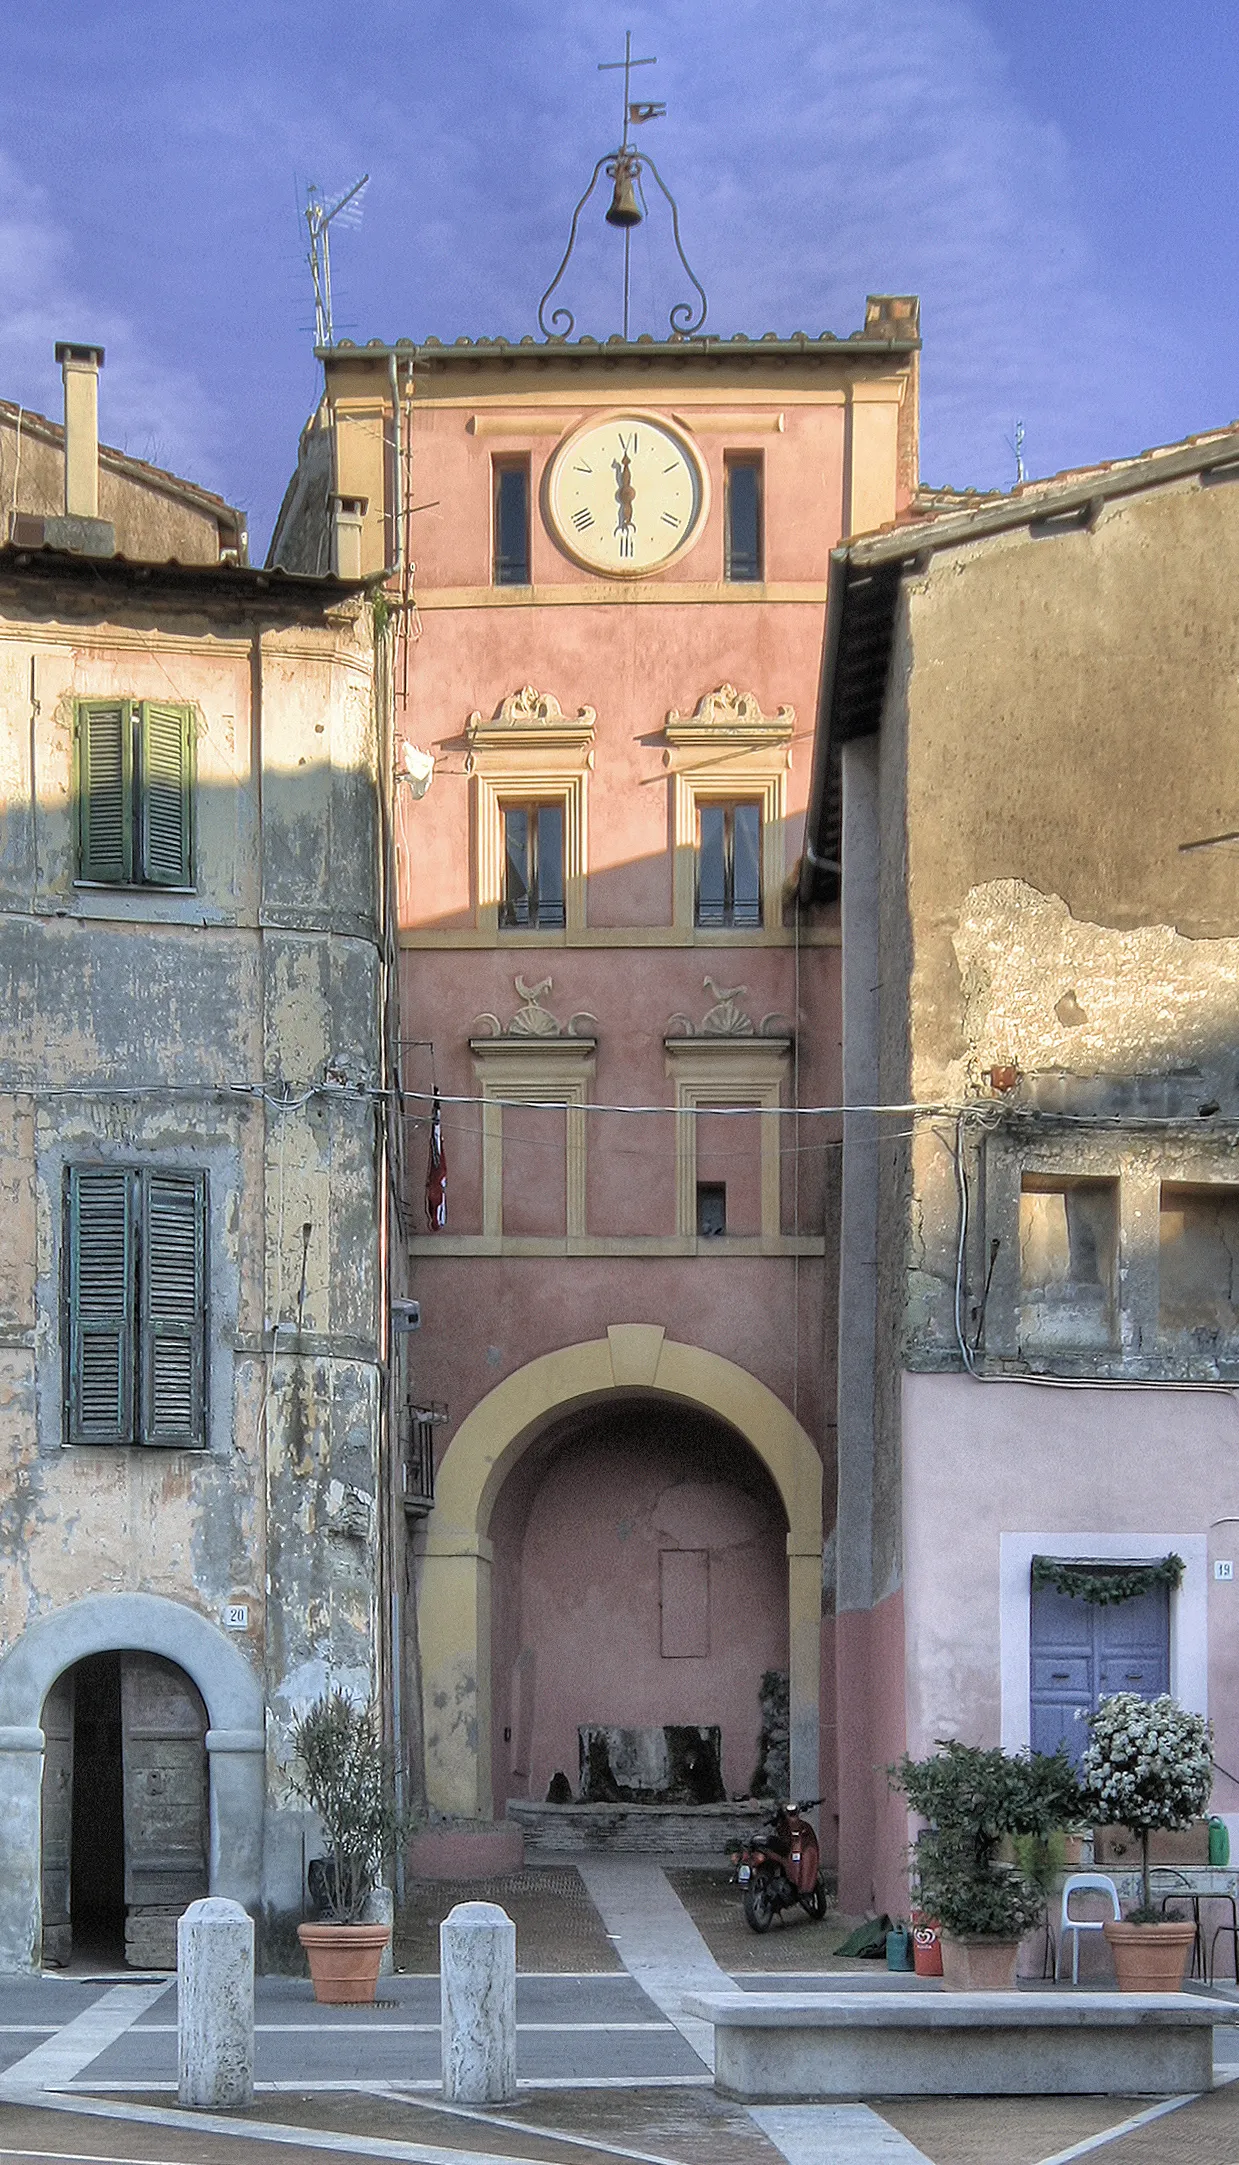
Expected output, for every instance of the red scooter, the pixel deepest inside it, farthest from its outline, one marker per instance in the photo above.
(782, 1868)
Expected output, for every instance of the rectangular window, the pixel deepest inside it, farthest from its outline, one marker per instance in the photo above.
(511, 522)
(135, 1301)
(742, 517)
(1068, 1254)
(1199, 1263)
(711, 1209)
(533, 868)
(729, 866)
(135, 773)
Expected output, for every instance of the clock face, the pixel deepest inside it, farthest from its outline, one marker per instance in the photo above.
(625, 495)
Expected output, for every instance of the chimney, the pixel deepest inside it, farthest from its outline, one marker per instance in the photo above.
(80, 366)
(347, 516)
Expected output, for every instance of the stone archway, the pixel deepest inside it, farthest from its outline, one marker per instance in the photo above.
(454, 1606)
(235, 1742)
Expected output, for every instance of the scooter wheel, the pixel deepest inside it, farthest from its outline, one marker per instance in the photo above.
(814, 1904)
(759, 1910)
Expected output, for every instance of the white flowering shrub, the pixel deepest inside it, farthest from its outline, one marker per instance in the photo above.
(1148, 1764)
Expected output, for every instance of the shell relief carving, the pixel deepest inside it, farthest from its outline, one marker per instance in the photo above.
(532, 1019)
(726, 1018)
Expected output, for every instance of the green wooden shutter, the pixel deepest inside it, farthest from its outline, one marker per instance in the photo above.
(101, 1281)
(105, 791)
(173, 1309)
(167, 771)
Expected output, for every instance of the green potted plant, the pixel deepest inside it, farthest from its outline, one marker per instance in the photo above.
(973, 1800)
(1148, 1764)
(340, 1773)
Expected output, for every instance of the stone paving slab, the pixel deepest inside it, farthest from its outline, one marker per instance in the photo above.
(794, 1941)
(1018, 2131)
(557, 1927)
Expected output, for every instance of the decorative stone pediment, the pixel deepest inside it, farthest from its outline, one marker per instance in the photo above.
(532, 1019)
(727, 1019)
(531, 717)
(728, 716)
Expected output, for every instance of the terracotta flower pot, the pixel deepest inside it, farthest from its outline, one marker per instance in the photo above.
(344, 1961)
(1150, 1957)
(974, 1964)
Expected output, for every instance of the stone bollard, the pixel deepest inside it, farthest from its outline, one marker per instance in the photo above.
(215, 2006)
(477, 1997)
(381, 1909)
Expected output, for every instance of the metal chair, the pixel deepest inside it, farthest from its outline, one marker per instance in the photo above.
(1081, 1883)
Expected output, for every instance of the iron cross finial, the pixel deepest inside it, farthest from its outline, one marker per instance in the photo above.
(645, 112)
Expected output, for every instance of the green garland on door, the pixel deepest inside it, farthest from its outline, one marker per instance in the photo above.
(1107, 1584)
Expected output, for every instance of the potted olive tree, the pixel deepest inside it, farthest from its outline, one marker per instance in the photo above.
(1148, 1764)
(973, 1801)
(340, 1773)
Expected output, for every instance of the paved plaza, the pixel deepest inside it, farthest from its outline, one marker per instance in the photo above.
(608, 2066)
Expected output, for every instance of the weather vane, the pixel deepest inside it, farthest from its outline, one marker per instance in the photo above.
(625, 167)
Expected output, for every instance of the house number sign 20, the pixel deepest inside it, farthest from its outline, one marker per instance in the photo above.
(237, 1616)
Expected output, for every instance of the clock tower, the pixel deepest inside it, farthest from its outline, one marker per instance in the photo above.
(608, 568)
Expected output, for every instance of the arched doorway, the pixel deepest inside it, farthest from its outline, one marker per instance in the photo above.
(235, 1745)
(125, 1810)
(454, 1604)
(639, 1597)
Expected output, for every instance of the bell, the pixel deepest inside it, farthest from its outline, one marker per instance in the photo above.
(625, 209)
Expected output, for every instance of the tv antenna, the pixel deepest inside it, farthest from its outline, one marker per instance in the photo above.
(319, 217)
(1016, 447)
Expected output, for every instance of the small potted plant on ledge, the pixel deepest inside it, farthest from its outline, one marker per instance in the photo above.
(1148, 1764)
(973, 1800)
(341, 1775)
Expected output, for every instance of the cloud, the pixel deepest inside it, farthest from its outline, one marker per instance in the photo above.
(147, 407)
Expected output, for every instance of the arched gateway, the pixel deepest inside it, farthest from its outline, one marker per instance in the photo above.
(235, 1743)
(454, 1610)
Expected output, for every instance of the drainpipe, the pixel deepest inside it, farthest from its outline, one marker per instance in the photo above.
(397, 469)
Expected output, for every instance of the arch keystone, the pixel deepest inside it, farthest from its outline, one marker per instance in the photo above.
(636, 1349)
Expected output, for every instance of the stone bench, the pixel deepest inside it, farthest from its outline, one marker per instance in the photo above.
(804, 2045)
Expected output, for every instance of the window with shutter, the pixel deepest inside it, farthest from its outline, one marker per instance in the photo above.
(105, 791)
(166, 755)
(172, 1283)
(135, 773)
(101, 1284)
(136, 1298)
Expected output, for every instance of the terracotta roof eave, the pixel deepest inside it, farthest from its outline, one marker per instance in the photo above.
(825, 348)
(1051, 500)
(222, 579)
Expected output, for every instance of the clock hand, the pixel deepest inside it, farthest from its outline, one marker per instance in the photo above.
(625, 493)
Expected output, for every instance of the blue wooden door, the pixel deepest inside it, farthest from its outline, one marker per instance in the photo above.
(1081, 1653)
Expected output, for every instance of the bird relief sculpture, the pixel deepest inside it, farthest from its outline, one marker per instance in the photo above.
(727, 1018)
(532, 1019)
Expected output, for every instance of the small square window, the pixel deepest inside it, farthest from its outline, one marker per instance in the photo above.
(728, 866)
(742, 517)
(511, 522)
(533, 868)
(1199, 1262)
(711, 1209)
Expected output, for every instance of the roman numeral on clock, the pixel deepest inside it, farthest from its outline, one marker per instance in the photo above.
(582, 520)
(671, 518)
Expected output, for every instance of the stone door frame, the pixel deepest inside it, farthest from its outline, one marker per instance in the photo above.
(455, 1567)
(235, 1742)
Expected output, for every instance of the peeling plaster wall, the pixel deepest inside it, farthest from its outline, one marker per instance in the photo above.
(1059, 778)
(143, 1028)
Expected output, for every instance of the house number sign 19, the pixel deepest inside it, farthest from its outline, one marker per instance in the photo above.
(237, 1616)
(1223, 1568)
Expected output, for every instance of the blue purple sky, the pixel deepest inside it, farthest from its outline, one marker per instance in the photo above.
(1054, 177)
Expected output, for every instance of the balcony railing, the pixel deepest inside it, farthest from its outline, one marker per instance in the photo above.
(418, 1425)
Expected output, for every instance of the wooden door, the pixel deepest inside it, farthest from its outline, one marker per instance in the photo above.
(1082, 1651)
(167, 1816)
(57, 1821)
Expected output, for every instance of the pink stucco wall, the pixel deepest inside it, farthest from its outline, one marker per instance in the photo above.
(578, 1530)
(873, 1824)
